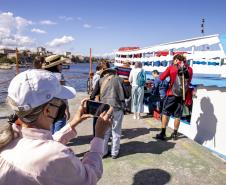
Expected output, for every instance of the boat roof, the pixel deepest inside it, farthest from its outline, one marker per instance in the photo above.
(198, 41)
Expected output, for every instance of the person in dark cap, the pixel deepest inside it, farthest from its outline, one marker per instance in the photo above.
(111, 90)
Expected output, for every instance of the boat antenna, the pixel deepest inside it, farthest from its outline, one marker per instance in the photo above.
(203, 30)
(202, 27)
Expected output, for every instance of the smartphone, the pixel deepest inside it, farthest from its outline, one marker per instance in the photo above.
(96, 108)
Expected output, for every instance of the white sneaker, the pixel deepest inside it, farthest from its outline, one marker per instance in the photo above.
(134, 116)
(138, 117)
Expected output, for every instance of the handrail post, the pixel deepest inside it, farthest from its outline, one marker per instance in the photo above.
(90, 61)
(90, 71)
(17, 62)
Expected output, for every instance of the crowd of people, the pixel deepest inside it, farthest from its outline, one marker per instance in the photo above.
(33, 145)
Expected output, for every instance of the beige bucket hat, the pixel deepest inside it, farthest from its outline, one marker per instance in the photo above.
(53, 60)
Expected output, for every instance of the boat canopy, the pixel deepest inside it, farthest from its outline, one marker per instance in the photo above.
(194, 42)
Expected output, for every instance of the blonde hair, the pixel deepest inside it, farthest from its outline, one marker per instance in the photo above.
(6, 133)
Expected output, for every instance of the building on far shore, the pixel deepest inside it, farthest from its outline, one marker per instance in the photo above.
(11, 55)
(41, 51)
(48, 53)
(68, 54)
(6, 51)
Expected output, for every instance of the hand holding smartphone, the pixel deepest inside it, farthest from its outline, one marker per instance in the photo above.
(96, 108)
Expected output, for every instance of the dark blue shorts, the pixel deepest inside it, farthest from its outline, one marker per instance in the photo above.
(173, 105)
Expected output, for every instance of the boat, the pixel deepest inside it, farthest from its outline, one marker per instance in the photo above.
(205, 54)
(207, 57)
(66, 66)
(5, 66)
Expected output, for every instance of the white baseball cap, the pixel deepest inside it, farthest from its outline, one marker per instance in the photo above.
(35, 87)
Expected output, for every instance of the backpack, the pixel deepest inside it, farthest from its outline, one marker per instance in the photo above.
(127, 90)
(141, 79)
(177, 87)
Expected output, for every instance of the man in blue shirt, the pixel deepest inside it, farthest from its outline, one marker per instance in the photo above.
(159, 90)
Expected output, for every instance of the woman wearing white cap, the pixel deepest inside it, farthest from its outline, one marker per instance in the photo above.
(29, 154)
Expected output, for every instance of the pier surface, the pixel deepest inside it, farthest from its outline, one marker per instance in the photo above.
(143, 160)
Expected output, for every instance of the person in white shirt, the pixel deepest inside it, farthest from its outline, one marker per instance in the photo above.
(137, 91)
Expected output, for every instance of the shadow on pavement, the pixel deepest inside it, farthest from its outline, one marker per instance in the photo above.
(151, 176)
(80, 140)
(136, 132)
(154, 147)
(134, 147)
(126, 133)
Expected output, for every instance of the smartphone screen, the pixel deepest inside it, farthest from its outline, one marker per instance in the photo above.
(96, 108)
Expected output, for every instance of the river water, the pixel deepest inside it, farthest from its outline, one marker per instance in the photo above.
(76, 77)
(78, 74)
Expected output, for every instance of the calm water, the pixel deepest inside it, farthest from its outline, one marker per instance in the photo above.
(76, 77)
(78, 74)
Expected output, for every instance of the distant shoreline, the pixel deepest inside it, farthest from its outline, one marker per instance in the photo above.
(6, 66)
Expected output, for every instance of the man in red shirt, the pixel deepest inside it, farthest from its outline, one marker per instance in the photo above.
(180, 75)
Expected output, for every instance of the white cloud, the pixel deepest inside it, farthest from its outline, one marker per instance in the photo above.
(4, 32)
(47, 22)
(11, 29)
(11, 23)
(17, 41)
(21, 23)
(60, 41)
(36, 30)
(66, 18)
(87, 26)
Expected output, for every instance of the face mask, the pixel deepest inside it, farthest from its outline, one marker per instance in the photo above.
(61, 113)
(60, 106)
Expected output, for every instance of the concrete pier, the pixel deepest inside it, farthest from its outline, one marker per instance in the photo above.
(143, 160)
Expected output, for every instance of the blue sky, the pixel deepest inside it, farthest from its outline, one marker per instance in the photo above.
(105, 25)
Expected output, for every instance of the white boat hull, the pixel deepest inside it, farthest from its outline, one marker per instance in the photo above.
(207, 125)
(198, 70)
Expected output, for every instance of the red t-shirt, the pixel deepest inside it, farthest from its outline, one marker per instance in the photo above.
(172, 72)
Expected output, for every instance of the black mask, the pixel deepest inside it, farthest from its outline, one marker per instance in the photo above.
(60, 113)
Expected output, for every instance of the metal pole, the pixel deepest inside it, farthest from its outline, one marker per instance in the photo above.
(90, 73)
(90, 61)
(203, 31)
(17, 62)
(183, 87)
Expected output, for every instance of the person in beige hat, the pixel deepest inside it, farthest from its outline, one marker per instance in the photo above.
(53, 64)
